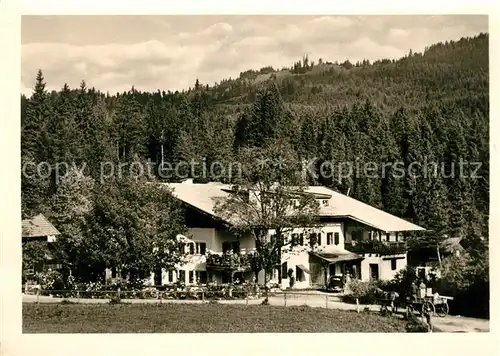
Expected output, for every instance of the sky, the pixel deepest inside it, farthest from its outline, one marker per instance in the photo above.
(112, 53)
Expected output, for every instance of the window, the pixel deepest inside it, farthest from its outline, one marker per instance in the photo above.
(201, 277)
(284, 270)
(198, 248)
(191, 276)
(313, 239)
(397, 237)
(273, 239)
(295, 239)
(356, 235)
(170, 276)
(191, 248)
(388, 236)
(299, 274)
(113, 272)
(54, 266)
(231, 246)
(393, 264)
(337, 238)
(329, 238)
(301, 238)
(325, 202)
(319, 239)
(182, 276)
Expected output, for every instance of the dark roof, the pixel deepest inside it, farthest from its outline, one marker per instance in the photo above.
(38, 226)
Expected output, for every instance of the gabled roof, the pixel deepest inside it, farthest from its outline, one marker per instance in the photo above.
(202, 197)
(341, 205)
(38, 226)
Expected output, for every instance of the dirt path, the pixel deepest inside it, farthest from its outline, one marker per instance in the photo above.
(453, 323)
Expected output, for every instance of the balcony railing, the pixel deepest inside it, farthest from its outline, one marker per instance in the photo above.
(233, 261)
(383, 248)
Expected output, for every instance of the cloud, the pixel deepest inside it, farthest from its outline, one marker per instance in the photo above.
(170, 53)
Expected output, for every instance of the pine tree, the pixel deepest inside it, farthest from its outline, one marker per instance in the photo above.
(36, 119)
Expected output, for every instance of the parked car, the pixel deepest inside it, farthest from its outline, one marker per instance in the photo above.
(335, 284)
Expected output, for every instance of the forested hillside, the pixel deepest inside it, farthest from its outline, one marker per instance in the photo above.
(425, 107)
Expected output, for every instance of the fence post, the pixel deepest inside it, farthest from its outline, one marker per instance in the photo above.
(161, 296)
(119, 292)
(203, 295)
(38, 296)
(78, 296)
(284, 294)
(246, 297)
(326, 301)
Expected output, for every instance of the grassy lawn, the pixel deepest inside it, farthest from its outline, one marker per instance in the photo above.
(193, 318)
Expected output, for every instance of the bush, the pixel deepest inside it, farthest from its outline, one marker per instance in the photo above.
(51, 282)
(467, 281)
(365, 292)
(415, 325)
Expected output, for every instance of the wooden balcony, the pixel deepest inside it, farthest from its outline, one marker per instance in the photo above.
(383, 248)
(229, 262)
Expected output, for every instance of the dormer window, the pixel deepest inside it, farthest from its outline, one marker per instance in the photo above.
(325, 202)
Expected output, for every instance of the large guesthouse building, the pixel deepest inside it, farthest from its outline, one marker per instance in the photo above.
(353, 238)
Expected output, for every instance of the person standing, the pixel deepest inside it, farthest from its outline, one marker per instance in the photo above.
(423, 288)
(413, 292)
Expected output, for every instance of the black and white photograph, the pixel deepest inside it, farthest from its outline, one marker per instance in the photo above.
(255, 174)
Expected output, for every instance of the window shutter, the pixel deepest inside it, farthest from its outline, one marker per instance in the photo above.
(284, 270)
(393, 264)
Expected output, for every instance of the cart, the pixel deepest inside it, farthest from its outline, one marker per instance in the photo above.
(430, 304)
(441, 305)
(422, 305)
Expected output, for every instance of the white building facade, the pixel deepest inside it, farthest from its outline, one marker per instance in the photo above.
(354, 238)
